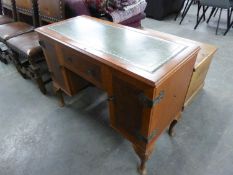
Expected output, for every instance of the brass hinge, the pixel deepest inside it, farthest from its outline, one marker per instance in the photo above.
(150, 103)
(146, 139)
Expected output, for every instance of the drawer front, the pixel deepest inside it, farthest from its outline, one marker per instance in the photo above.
(83, 66)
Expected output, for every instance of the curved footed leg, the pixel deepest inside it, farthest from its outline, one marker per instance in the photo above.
(144, 155)
(171, 129)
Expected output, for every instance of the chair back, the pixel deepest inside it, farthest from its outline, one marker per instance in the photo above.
(27, 11)
(8, 8)
(51, 11)
(225, 4)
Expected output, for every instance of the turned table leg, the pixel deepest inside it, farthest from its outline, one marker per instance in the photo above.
(171, 130)
(144, 155)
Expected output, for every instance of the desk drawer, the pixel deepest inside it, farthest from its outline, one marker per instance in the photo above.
(82, 65)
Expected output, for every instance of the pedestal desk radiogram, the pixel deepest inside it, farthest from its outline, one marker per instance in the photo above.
(146, 77)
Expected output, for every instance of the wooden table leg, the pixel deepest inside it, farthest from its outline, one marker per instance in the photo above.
(171, 130)
(61, 98)
(41, 85)
(144, 156)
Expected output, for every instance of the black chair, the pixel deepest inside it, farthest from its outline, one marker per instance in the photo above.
(215, 4)
(185, 7)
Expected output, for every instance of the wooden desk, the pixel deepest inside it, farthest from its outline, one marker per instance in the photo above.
(146, 77)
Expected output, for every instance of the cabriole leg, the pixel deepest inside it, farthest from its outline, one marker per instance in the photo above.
(144, 155)
(171, 130)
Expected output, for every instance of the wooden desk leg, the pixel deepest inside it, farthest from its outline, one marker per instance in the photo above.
(144, 156)
(61, 98)
(41, 85)
(171, 130)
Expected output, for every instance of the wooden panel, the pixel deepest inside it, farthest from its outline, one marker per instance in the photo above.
(127, 107)
(25, 4)
(175, 88)
(198, 79)
(53, 9)
(207, 52)
(80, 64)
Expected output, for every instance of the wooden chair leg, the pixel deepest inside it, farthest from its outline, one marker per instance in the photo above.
(3, 60)
(41, 85)
(3, 53)
(19, 69)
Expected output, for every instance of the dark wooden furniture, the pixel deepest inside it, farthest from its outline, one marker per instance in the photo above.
(27, 11)
(29, 59)
(146, 76)
(26, 15)
(158, 9)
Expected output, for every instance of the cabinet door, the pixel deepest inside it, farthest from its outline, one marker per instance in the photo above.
(175, 88)
(126, 109)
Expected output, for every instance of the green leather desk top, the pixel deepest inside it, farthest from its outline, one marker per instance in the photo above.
(143, 51)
